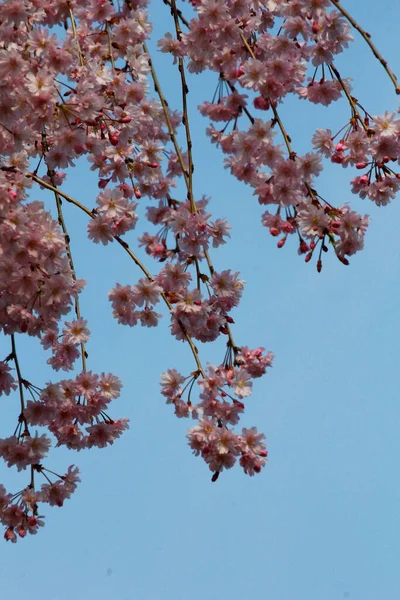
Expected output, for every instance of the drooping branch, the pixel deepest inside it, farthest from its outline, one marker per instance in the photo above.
(130, 253)
(367, 38)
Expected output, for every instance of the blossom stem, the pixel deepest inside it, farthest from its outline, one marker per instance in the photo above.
(185, 118)
(367, 38)
(178, 12)
(351, 100)
(187, 174)
(110, 46)
(74, 32)
(167, 116)
(19, 375)
(63, 226)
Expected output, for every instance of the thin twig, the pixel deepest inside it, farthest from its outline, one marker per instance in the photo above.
(19, 375)
(75, 34)
(131, 254)
(350, 98)
(63, 226)
(367, 38)
(167, 116)
(189, 179)
(185, 118)
(178, 12)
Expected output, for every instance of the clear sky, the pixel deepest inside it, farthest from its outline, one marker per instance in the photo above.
(321, 522)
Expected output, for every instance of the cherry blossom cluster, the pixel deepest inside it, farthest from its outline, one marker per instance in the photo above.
(269, 50)
(19, 512)
(373, 149)
(77, 80)
(223, 390)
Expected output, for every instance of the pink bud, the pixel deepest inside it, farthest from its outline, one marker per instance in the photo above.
(303, 248)
(281, 242)
(261, 103)
(137, 193)
(315, 27)
(287, 228)
(103, 183)
(9, 534)
(308, 257)
(113, 139)
(274, 231)
(125, 119)
(319, 266)
(337, 158)
(361, 165)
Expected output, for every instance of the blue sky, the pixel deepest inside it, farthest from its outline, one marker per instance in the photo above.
(321, 522)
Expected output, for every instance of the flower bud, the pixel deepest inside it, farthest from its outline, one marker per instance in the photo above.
(337, 158)
(261, 103)
(103, 183)
(113, 139)
(315, 27)
(303, 247)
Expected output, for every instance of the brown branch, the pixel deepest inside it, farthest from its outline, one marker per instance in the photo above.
(75, 35)
(349, 97)
(14, 356)
(367, 38)
(63, 226)
(187, 173)
(130, 253)
(178, 12)
(167, 116)
(185, 118)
